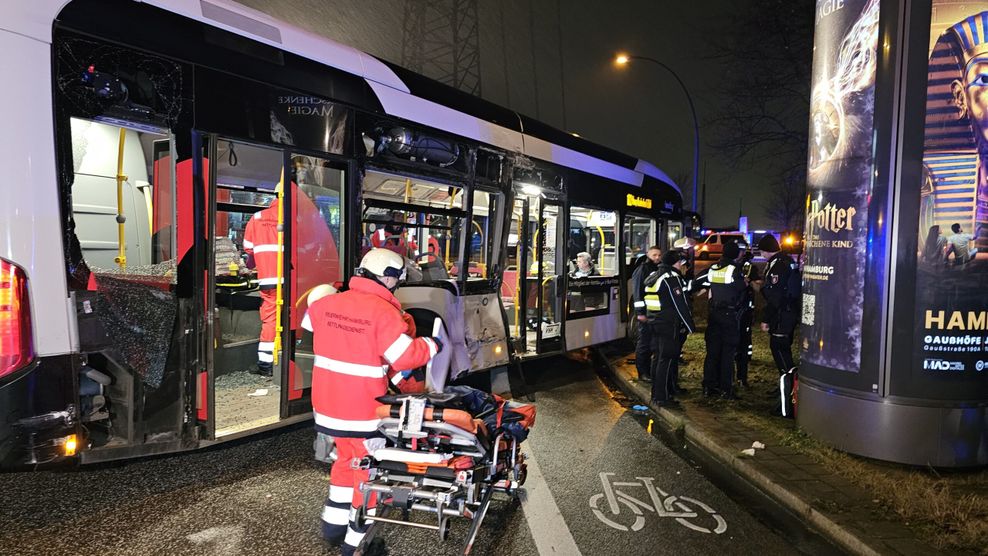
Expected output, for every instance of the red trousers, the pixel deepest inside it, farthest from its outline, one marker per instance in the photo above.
(344, 492)
(268, 313)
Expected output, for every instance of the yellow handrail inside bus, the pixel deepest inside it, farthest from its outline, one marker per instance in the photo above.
(281, 262)
(479, 264)
(150, 204)
(121, 258)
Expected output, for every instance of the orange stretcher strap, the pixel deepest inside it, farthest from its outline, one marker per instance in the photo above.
(455, 417)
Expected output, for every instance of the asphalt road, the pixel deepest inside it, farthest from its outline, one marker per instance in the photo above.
(263, 495)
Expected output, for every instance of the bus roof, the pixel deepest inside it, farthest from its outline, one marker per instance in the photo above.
(401, 92)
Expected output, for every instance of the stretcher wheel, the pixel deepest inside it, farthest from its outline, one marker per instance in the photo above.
(522, 474)
(443, 528)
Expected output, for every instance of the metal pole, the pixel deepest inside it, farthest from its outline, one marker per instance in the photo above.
(696, 124)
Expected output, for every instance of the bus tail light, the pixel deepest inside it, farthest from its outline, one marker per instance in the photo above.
(16, 345)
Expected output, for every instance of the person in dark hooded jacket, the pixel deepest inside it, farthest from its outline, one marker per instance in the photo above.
(726, 286)
(643, 349)
(668, 314)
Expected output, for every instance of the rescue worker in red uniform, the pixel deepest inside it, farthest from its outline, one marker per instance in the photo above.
(361, 342)
(261, 247)
(392, 236)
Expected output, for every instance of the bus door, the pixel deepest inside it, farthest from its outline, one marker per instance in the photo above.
(244, 376)
(532, 286)
(315, 259)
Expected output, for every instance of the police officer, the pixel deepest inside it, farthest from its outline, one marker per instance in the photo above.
(745, 348)
(726, 287)
(781, 291)
(643, 350)
(668, 314)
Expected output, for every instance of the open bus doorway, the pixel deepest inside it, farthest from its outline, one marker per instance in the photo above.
(532, 288)
(271, 245)
(245, 203)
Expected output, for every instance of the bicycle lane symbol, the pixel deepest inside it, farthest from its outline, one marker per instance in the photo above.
(688, 512)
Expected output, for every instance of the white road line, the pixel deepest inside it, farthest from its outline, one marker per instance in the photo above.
(547, 525)
(224, 539)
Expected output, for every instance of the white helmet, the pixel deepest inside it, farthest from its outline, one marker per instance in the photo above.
(685, 243)
(319, 292)
(383, 262)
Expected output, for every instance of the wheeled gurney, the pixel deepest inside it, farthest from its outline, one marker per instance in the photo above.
(447, 454)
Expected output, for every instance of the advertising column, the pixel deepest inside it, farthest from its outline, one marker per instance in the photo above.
(839, 182)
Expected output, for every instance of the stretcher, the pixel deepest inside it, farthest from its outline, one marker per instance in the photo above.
(446, 456)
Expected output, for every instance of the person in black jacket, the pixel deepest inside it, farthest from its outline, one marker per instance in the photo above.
(745, 347)
(667, 314)
(726, 287)
(643, 349)
(782, 295)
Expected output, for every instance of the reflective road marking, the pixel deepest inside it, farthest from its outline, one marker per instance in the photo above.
(224, 539)
(688, 512)
(547, 525)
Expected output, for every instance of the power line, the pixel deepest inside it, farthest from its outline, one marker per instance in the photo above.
(440, 39)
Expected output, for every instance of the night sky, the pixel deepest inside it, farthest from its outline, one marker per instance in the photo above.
(568, 79)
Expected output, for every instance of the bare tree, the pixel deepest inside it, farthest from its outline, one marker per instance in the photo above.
(786, 203)
(764, 93)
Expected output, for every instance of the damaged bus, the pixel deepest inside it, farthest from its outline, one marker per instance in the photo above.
(182, 173)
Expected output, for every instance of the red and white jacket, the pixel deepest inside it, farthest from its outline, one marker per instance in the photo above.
(361, 341)
(261, 242)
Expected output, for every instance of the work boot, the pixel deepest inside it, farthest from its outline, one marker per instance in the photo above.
(262, 369)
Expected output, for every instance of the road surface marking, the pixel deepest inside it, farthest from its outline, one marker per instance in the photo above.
(225, 539)
(547, 525)
(681, 508)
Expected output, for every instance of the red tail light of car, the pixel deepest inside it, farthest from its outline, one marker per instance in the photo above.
(16, 345)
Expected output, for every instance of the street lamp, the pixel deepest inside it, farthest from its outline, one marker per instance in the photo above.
(622, 60)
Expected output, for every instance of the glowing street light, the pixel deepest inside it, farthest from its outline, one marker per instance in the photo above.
(622, 60)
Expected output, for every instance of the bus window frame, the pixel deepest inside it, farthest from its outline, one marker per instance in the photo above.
(484, 285)
(361, 204)
(653, 240)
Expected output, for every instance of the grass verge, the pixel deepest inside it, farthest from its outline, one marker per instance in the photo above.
(948, 509)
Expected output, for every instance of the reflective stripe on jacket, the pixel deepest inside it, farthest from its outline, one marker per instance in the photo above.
(261, 242)
(361, 343)
(724, 275)
(666, 286)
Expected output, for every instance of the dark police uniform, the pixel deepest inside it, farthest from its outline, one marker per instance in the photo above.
(727, 286)
(781, 291)
(643, 349)
(745, 348)
(669, 314)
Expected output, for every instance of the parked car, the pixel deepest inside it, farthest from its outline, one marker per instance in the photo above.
(713, 246)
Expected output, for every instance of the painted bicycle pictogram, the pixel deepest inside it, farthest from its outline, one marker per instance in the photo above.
(615, 507)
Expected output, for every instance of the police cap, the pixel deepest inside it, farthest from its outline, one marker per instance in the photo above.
(731, 250)
(673, 256)
(769, 243)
